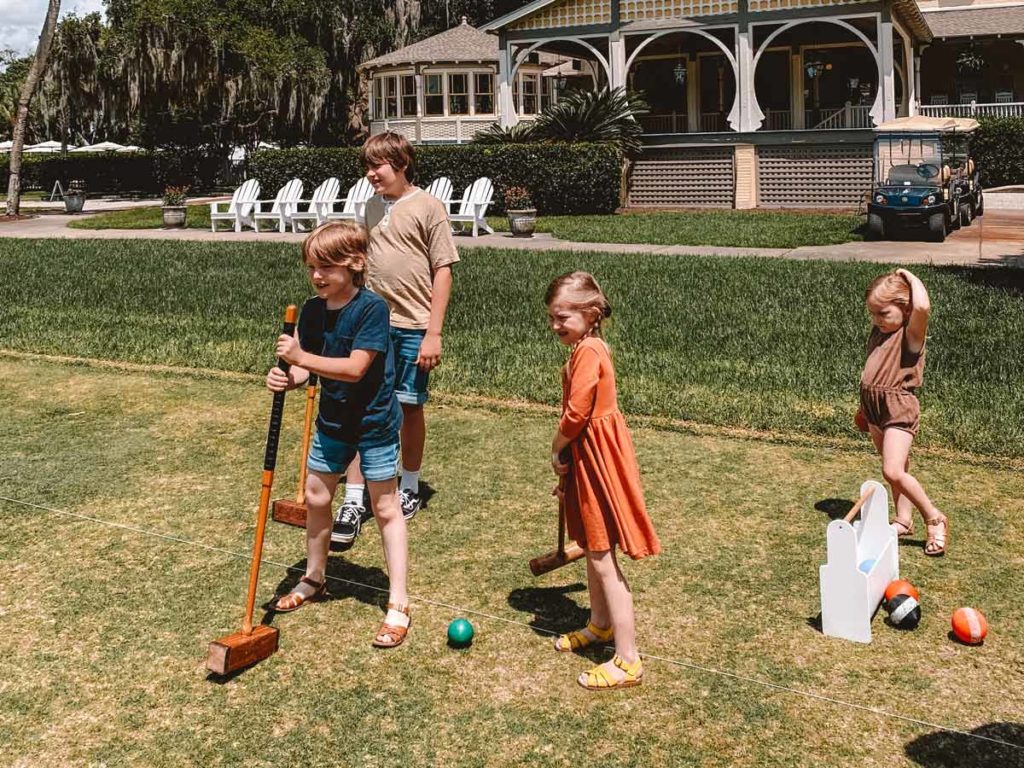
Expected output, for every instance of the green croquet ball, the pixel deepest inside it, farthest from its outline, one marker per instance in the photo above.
(460, 633)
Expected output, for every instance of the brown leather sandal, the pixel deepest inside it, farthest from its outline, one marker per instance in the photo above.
(296, 599)
(936, 543)
(394, 635)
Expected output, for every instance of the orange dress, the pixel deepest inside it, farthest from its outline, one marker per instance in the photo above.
(604, 502)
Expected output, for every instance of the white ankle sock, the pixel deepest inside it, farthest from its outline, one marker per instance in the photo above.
(410, 481)
(354, 492)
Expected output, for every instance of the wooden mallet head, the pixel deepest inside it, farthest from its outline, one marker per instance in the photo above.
(556, 559)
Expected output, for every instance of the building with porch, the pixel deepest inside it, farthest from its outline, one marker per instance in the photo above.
(767, 102)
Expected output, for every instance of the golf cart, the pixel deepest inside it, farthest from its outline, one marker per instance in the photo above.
(924, 176)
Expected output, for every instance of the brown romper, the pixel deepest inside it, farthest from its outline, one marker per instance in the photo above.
(889, 383)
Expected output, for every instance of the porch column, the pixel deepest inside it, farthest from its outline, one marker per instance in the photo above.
(888, 84)
(796, 90)
(617, 60)
(916, 77)
(506, 108)
(748, 116)
(692, 95)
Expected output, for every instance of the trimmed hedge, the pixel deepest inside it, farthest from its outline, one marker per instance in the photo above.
(998, 150)
(108, 172)
(562, 178)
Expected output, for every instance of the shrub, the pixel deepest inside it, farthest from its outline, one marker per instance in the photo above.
(518, 199)
(564, 178)
(998, 149)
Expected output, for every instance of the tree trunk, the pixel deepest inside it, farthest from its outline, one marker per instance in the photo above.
(35, 73)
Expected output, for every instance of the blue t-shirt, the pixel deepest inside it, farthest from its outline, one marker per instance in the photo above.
(359, 412)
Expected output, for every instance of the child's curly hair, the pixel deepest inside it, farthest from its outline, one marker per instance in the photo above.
(581, 291)
(341, 244)
(890, 288)
(392, 148)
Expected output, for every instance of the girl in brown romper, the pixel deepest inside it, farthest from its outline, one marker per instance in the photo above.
(899, 308)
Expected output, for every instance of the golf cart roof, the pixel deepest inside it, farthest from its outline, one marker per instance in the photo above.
(922, 124)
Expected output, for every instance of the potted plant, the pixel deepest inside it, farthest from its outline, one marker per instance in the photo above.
(522, 216)
(74, 198)
(174, 209)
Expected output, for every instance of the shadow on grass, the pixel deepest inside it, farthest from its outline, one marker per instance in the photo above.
(836, 509)
(555, 612)
(1010, 281)
(942, 749)
(344, 580)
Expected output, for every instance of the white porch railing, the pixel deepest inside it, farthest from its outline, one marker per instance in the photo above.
(437, 129)
(847, 116)
(672, 122)
(973, 109)
(713, 122)
(777, 120)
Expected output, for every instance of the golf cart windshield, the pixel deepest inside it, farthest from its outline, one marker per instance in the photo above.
(920, 173)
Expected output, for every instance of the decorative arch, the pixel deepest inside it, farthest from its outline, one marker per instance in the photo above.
(877, 109)
(734, 113)
(520, 56)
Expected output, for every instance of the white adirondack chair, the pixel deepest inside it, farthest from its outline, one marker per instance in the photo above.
(355, 201)
(319, 206)
(282, 207)
(473, 206)
(239, 209)
(441, 188)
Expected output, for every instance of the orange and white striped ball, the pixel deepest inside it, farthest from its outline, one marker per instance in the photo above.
(969, 626)
(901, 587)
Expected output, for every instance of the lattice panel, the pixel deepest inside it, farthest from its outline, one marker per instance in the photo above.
(813, 176)
(440, 130)
(783, 5)
(683, 177)
(634, 10)
(569, 13)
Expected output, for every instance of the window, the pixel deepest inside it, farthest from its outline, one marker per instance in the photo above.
(529, 106)
(484, 99)
(378, 100)
(458, 94)
(433, 101)
(391, 96)
(547, 92)
(408, 95)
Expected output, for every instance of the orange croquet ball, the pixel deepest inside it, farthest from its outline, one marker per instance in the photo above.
(901, 587)
(969, 626)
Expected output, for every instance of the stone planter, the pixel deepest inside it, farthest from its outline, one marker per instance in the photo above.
(523, 222)
(74, 202)
(174, 216)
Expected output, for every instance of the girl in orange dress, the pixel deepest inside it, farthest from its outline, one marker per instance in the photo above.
(604, 503)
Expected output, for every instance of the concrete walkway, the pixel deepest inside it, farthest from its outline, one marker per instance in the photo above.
(995, 239)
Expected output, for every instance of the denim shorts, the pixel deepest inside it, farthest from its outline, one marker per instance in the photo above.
(331, 456)
(410, 380)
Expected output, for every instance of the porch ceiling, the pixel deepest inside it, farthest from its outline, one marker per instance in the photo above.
(974, 22)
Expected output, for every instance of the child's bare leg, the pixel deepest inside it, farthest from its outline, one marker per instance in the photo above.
(414, 437)
(904, 506)
(354, 473)
(320, 489)
(895, 462)
(620, 609)
(600, 615)
(388, 512)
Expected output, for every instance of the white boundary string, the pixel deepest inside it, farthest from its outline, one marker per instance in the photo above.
(518, 623)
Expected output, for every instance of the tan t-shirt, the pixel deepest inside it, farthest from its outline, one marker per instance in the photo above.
(409, 239)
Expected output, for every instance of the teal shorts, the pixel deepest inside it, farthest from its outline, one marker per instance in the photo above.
(410, 380)
(330, 456)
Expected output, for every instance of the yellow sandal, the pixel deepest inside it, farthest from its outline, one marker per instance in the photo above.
(599, 679)
(575, 640)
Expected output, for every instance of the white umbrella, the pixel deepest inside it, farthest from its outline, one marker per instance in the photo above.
(42, 147)
(5, 146)
(103, 146)
(130, 148)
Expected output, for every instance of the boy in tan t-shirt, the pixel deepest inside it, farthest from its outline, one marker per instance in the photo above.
(409, 264)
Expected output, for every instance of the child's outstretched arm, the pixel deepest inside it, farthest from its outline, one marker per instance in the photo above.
(351, 368)
(920, 311)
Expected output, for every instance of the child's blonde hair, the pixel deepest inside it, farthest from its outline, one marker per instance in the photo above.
(890, 288)
(391, 148)
(340, 244)
(581, 291)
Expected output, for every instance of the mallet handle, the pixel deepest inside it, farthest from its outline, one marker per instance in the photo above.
(856, 507)
(307, 436)
(269, 462)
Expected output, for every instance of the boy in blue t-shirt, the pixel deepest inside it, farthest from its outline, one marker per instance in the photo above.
(344, 339)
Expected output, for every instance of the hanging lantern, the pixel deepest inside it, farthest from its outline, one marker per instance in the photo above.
(814, 68)
(680, 73)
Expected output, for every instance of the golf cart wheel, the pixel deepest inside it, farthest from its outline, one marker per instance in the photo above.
(965, 214)
(876, 227)
(937, 227)
(954, 217)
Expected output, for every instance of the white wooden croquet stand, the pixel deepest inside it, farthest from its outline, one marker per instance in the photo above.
(850, 596)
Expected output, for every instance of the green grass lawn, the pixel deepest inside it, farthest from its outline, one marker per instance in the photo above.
(105, 628)
(753, 229)
(758, 344)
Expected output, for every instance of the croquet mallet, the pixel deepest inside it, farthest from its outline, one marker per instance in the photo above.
(563, 555)
(286, 510)
(253, 644)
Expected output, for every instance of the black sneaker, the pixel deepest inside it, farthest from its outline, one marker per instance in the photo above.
(411, 503)
(348, 522)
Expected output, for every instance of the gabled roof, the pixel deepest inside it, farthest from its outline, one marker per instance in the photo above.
(967, 22)
(460, 43)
